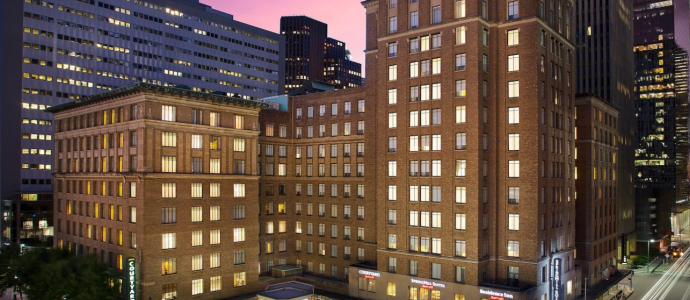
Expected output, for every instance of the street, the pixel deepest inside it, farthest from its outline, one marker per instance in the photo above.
(670, 282)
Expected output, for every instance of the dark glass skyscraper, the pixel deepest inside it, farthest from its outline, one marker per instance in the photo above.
(661, 100)
(605, 73)
(312, 55)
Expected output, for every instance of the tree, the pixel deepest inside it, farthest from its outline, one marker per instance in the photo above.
(640, 260)
(61, 275)
(11, 269)
(53, 274)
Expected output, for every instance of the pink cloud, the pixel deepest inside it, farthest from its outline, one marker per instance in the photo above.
(345, 18)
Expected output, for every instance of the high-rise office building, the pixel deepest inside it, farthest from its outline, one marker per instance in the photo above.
(310, 55)
(165, 177)
(76, 48)
(604, 85)
(661, 97)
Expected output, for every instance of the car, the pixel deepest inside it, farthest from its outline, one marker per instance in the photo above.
(675, 250)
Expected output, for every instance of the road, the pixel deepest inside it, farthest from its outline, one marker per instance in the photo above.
(673, 284)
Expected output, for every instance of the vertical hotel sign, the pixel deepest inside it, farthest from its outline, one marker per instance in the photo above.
(556, 285)
(131, 278)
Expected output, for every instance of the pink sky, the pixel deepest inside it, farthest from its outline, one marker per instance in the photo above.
(345, 18)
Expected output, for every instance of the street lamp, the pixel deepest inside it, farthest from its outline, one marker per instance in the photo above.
(650, 241)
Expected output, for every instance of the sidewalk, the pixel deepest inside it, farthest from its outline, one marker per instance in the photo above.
(9, 295)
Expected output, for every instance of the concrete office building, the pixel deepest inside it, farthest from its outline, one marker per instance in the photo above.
(310, 55)
(76, 48)
(661, 49)
(165, 176)
(605, 70)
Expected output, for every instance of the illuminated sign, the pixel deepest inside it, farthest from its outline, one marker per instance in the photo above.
(369, 273)
(496, 295)
(426, 283)
(369, 277)
(556, 286)
(131, 278)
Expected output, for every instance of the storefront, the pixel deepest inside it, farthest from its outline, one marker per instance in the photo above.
(372, 284)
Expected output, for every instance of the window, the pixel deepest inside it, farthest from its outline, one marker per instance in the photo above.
(360, 105)
(390, 290)
(459, 9)
(169, 139)
(425, 72)
(513, 89)
(269, 129)
(392, 120)
(238, 235)
(214, 143)
(460, 222)
(197, 214)
(460, 62)
(239, 191)
(460, 278)
(436, 41)
(514, 195)
(460, 114)
(169, 190)
(392, 96)
(460, 141)
(436, 14)
(485, 37)
(513, 63)
(460, 248)
(168, 266)
(514, 248)
(414, 69)
(216, 283)
(197, 262)
(460, 88)
(414, 19)
(513, 168)
(239, 120)
(513, 142)
(414, 45)
(414, 266)
(197, 286)
(239, 144)
(513, 10)
(513, 37)
(168, 164)
(460, 194)
(168, 113)
(513, 222)
(392, 243)
(513, 115)
(435, 271)
(197, 238)
(460, 35)
(485, 63)
(460, 166)
(169, 241)
(393, 25)
(214, 237)
(424, 43)
(240, 279)
(214, 119)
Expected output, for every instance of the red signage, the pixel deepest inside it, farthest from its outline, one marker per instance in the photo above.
(496, 298)
(369, 277)
(427, 286)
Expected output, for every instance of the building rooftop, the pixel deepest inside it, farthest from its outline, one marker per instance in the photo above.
(156, 89)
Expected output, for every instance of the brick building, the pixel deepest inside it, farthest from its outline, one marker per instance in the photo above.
(168, 177)
(596, 163)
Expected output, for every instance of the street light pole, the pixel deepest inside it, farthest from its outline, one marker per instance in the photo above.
(648, 242)
(585, 288)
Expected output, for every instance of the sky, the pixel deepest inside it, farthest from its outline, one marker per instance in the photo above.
(345, 18)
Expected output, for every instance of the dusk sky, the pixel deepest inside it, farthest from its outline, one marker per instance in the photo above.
(345, 18)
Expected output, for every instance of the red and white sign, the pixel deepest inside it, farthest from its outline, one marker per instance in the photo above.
(427, 286)
(496, 298)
